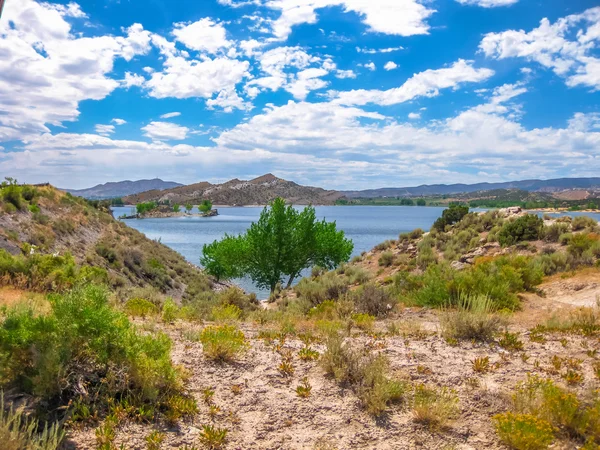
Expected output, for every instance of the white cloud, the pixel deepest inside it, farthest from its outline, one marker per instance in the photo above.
(372, 51)
(566, 46)
(488, 3)
(229, 100)
(423, 84)
(104, 130)
(396, 17)
(342, 74)
(414, 116)
(46, 70)
(371, 66)
(165, 131)
(119, 121)
(170, 115)
(390, 65)
(132, 79)
(203, 35)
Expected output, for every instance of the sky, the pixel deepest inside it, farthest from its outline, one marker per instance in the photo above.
(342, 94)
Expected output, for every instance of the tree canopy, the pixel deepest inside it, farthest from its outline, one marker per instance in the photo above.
(205, 206)
(450, 216)
(281, 244)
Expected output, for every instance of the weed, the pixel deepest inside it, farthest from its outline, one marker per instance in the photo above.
(223, 342)
(208, 395)
(572, 377)
(511, 342)
(169, 311)
(226, 313)
(213, 438)
(308, 354)
(154, 440)
(364, 322)
(304, 389)
(472, 320)
(213, 411)
(140, 307)
(434, 407)
(286, 367)
(481, 365)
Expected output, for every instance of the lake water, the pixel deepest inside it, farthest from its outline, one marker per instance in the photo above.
(367, 226)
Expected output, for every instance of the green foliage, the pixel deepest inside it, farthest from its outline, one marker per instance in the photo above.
(373, 300)
(143, 208)
(525, 228)
(18, 432)
(473, 319)
(282, 243)
(523, 431)
(213, 438)
(583, 222)
(188, 207)
(169, 311)
(83, 341)
(580, 243)
(386, 259)
(205, 206)
(450, 216)
(140, 307)
(223, 342)
(434, 407)
(176, 207)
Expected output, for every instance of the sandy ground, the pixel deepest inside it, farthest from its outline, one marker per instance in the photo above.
(267, 414)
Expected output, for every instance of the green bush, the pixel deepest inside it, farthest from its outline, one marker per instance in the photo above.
(523, 431)
(223, 342)
(386, 259)
(328, 287)
(580, 243)
(582, 222)
(373, 300)
(450, 216)
(554, 231)
(83, 341)
(525, 228)
(140, 307)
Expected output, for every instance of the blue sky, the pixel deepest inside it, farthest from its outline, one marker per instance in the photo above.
(343, 94)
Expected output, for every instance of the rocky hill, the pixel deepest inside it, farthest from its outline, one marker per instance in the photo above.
(61, 238)
(122, 188)
(259, 191)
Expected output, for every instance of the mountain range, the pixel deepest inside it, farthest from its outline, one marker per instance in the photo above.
(259, 191)
(122, 188)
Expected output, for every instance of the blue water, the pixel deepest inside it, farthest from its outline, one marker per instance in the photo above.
(367, 226)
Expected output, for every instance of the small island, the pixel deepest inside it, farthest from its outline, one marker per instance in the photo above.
(154, 210)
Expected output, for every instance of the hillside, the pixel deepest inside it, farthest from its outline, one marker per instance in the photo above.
(554, 185)
(122, 188)
(259, 191)
(44, 221)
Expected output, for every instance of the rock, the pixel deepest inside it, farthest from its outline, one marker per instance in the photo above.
(511, 211)
(9, 246)
(457, 265)
(211, 213)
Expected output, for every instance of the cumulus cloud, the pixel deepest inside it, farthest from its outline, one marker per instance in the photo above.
(567, 47)
(202, 35)
(423, 84)
(414, 116)
(371, 66)
(390, 65)
(342, 74)
(119, 121)
(46, 70)
(372, 51)
(165, 131)
(229, 100)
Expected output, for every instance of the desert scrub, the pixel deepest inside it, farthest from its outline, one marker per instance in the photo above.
(473, 319)
(386, 259)
(226, 313)
(83, 341)
(223, 342)
(373, 300)
(525, 228)
(170, 311)
(140, 307)
(523, 431)
(356, 274)
(364, 322)
(18, 432)
(328, 287)
(434, 407)
(364, 372)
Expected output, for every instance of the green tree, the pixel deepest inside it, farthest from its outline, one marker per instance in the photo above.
(525, 228)
(176, 207)
(188, 207)
(450, 216)
(421, 202)
(205, 206)
(143, 208)
(281, 244)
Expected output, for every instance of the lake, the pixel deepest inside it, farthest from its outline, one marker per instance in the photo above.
(367, 226)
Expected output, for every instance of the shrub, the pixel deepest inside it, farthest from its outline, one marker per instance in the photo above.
(555, 231)
(226, 313)
(63, 226)
(523, 431)
(213, 438)
(140, 307)
(169, 311)
(580, 243)
(365, 322)
(383, 245)
(357, 275)
(328, 287)
(106, 252)
(426, 258)
(386, 259)
(372, 300)
(365, 373)
(434, 407)
(83, 341)
(474, 319)
(412, 235)
(582, 222)
(18, 432)
(524, 228)
(450, 216)
(223, 342)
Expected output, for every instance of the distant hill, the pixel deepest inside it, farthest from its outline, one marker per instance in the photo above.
(122, 188)
(259, 191)
(555, 185)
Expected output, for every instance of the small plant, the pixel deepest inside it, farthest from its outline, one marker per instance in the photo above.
(154, 440)
(364, 322)
(523, 431)
(208, 395)
(169, 311)
(434, 407)
(226, 313)
(304, 389)
(286, 367)
(213, 411)
(213, 438)
(572, 377)
(223, 342)
(179, 406)
(308, 354)
(511, 342)
(481, 365)
(236, 389)
(140, 307)
(473, 319)
(386, 259)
